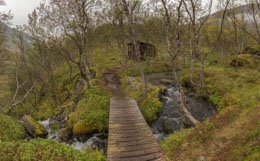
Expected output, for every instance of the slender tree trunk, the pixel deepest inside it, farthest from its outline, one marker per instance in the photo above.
(136, 48)
(202, 81)
(191, 62)
(187, 114)
(121, 24)
(90, 85)
(236, 45)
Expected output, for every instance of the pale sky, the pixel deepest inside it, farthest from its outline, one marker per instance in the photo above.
(21, 8)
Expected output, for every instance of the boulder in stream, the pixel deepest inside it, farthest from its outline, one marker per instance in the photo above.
(33, 127)
(171, 124)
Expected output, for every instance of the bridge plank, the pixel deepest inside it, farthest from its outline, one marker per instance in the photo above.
(130, 138)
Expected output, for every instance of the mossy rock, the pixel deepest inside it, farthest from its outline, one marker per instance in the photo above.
(165, 81)
(10, 130)
(254, 50)
(33, 127)
(91, 114)
(246, 60)
(80, 128)
(65, 134)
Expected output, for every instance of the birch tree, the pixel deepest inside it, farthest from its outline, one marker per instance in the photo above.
(197, 19)
(130, 7)
(72, 20)
(174, 51)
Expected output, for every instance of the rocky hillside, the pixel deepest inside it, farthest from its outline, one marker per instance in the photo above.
(11, 37)
(241, 12)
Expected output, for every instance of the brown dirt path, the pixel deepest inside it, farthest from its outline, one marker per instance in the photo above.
(130, 138)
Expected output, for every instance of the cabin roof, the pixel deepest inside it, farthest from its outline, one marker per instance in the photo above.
(141, 43)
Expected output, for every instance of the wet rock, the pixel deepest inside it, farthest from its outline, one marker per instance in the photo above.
(171, 124)
(158, 126)
(171, 117)
(34, 128)
(65, 135)
(96, 143)
(159, 137)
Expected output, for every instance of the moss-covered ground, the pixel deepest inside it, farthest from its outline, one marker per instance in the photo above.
(231, 135)
(45, 150)
(10, 129)
(234, 133)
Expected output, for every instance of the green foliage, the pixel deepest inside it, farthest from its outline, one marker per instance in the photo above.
(45, 150)
(226, 87)
(174, 141)
(149, 106)
(247, 61)
(48, 104)
(252, 49)
(236, 95)
(80, 128)
(92, 112)
(10, 129)
(150, 66)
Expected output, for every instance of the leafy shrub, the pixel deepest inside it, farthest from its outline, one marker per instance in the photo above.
(153, 66)
(149, 106)
(45, 150)
(174, 141)
(245, 60)
(92, 112)
(10, 129)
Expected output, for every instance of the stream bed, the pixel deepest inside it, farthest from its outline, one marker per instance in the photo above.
(168, 121)
(94, 141)
(170, 118)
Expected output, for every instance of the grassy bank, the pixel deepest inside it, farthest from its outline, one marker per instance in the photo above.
(43, 150)
(234, 133)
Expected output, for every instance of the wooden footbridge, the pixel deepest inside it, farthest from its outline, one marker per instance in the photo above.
(130, 138)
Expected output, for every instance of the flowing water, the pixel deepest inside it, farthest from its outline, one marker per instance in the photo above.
(96, 141)
(169, 120)
(170, 117)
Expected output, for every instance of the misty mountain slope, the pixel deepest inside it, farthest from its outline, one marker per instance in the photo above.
(243, 12)
(11, 38)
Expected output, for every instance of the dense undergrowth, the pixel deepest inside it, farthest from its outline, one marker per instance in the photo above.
(45, 150)
(235, 92)
(150, 66)
(234, 133)
(10, 129)
(149, 106)
(92, 113)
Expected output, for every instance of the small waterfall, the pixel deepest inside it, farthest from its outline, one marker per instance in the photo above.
(52, 134)
(170, 118)
(95, 142)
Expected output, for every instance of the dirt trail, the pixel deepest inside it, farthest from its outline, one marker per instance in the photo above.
(130, 137)
(112, 81)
